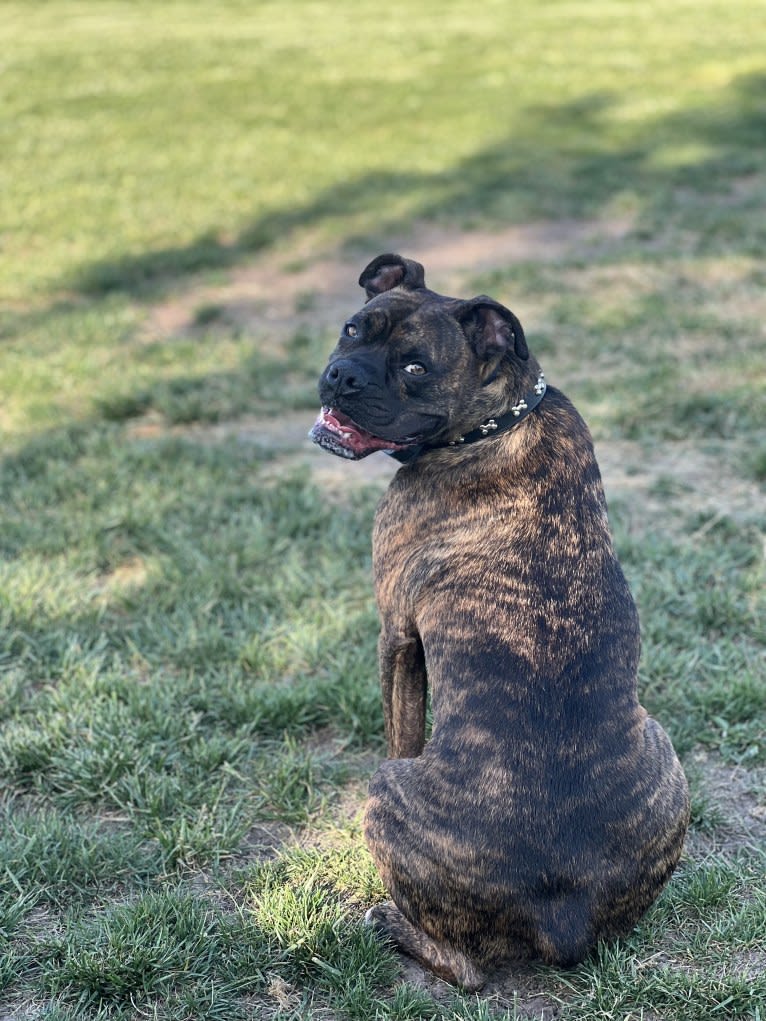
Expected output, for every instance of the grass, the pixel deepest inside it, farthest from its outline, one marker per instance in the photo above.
(188, 702)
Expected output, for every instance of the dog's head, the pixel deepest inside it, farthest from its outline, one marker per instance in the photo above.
(415, 367)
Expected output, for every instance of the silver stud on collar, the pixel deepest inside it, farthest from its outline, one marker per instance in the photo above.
(488, 427)
(540, 384)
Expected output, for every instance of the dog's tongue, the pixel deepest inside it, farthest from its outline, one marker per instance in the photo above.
(336, 432)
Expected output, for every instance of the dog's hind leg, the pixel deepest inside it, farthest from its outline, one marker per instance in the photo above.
(441, 958)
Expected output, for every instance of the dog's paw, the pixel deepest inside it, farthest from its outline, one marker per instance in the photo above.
(380, 919)
(444, 960)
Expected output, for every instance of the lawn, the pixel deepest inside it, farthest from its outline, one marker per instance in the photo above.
(188, 697)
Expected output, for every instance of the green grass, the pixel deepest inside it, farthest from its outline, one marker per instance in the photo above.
(188, 700)
(704, 931)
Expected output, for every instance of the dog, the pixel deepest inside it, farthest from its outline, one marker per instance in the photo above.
(547, 810)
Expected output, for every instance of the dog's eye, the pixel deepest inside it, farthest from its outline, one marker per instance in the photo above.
(351, 330)
(415, 369)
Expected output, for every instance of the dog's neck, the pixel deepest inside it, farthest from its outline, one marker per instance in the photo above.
(490, 427)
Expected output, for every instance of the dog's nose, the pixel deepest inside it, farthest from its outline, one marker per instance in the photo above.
(346, 377)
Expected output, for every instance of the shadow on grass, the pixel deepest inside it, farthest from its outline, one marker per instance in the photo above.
(529, 175)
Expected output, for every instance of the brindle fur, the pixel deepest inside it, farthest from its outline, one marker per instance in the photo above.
(547, 810)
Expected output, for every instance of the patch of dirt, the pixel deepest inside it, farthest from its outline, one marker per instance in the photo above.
(738, 796)
(265, 839)
(277, 293)
(749, 965)
(520, 986)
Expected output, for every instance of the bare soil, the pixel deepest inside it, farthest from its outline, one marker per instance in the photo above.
(738, 796)
(276, 291)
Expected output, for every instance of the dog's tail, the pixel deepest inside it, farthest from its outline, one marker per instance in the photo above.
(565, 930)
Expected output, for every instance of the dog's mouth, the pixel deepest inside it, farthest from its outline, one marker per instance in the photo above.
(339, 434)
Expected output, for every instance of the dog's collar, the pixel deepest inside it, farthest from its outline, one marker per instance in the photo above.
(492, 427)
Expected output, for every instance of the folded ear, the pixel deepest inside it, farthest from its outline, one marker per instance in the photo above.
(388, 271)
(492, 329)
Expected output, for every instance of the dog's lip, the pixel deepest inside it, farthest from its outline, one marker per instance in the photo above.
(352, 436)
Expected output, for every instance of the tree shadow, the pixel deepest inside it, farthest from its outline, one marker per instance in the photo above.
(566, 160)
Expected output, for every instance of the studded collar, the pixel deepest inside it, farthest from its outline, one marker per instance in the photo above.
(492, 427)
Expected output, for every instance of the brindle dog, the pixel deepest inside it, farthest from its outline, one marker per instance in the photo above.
(547, 810)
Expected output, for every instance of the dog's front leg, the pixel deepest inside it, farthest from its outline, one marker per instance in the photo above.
(403, 684)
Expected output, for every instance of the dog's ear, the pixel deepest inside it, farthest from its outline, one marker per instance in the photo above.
(492, 329)
(388, 271)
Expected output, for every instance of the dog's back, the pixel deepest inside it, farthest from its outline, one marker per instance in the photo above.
(546, 807)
